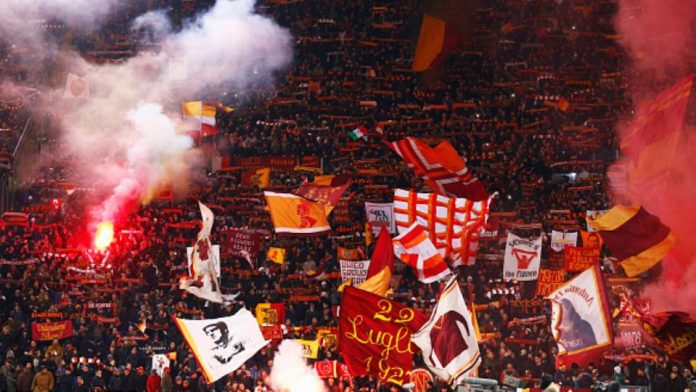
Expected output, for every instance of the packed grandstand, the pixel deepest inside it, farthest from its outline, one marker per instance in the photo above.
(399, 195)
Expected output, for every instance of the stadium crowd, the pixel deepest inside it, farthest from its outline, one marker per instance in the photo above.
(499, 102)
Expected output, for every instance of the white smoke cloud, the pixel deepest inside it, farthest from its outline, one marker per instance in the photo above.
(290, 372)
(125, 147)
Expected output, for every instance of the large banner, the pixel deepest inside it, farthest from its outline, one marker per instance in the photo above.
(380, 215)
(580, 258)
(375, 335)
(49, 331)
(222, 345)
(580, 319)
(356, 271)
(522, 258)
(240, 242)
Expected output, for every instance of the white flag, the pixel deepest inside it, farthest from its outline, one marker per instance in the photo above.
(380, 215)
(222, 345)
(448, 339)
(208, 219)
(522, 258)
(580, 318)
(559, 240)
(215, 258)
(159, 362)
(76, 87)
(356, 271)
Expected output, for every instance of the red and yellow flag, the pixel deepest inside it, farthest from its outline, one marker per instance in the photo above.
(435, 41)
(375, 335)
(636, 238)
(292, 214)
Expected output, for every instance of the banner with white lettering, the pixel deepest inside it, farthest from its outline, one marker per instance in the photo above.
(354, 270)
(522, 258)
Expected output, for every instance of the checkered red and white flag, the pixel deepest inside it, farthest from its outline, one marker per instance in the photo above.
(454, 224)
(441, 168)
(414, 248)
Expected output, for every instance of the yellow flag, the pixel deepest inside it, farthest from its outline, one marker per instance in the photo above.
(369, 236)
(264, 177)
(379, 283)
(276, 255)
(294, 214)
(310, 347)
(324, 180)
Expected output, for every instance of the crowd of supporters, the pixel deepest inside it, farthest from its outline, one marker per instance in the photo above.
(497, 102)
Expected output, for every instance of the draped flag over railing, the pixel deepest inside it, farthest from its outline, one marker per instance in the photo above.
(454, 225)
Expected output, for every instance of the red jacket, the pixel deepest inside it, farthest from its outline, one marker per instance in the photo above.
(153, 383)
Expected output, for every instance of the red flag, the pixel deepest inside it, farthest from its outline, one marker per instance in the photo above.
(441, 168)
(414, 248)
(382, 255)
(375, 335)
(674, 331)
(327, 196)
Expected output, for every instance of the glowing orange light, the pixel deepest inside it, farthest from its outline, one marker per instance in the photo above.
(104, 236)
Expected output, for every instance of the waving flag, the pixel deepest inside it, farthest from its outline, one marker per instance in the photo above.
(292, 214)
(580, 319)
(222, 345)
(454, 225)
(200, 116)
(375, 335)
(448, 339)
(436, 40)
(636, 238)
(441, 168)
(415, 249)
(654, 137)
(381, 266)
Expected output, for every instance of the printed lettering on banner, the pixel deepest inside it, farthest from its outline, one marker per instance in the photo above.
(522, 258)
(356, 271)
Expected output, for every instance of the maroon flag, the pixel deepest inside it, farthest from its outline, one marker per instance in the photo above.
(241, 242)
(327, 196)
(375, 335)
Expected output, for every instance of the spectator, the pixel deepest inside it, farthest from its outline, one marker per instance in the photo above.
(43, 381)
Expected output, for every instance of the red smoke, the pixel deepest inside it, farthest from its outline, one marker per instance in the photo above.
(659, 38)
